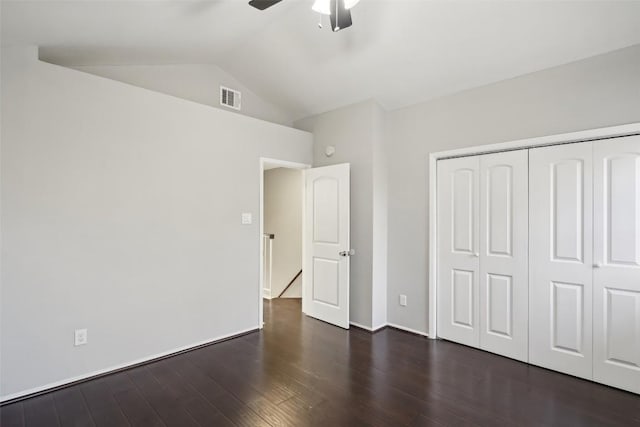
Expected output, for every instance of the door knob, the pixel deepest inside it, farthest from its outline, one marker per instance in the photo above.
(476, 254)
(597, 265)
(350, 252)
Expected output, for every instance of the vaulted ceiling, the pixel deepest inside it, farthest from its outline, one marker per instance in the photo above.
(398, 52)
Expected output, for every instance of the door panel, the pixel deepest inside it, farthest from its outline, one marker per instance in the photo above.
(566, 210)
(458, 221)
(567, 300)
(617, 262)
(325, 284)
(560, 281)
(503, 278)
(500, 305)
(463, 193)
(462, 297)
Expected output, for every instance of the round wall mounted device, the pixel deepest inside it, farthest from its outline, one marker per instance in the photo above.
(329, 150)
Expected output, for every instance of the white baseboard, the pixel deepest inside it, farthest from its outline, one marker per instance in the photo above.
(367, 328)
(60, 383)
(384, 325)
(358, 325)
(266, 293)
(413, 331)
(380, 326)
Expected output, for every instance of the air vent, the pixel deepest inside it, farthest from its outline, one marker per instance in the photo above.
(230, 98)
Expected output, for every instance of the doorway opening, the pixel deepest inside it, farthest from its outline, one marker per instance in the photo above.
(281, 231)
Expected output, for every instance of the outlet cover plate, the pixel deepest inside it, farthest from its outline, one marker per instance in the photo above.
(80, 337)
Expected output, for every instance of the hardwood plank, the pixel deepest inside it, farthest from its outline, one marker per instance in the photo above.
(41, 411)
(161, 397)
(134, 406)
(12, 415)
(71, 407)
(103, 407)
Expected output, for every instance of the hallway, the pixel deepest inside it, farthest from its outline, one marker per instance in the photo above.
(300, 371)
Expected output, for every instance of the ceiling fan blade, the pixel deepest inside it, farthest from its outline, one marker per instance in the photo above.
(263, 4)
(340, 16)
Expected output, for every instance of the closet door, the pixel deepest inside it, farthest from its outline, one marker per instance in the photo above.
(560, 245)
(458, 257)
(616, 277)
(504, 291)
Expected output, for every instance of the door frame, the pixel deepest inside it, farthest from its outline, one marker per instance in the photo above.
(264, 161)
(521, 144)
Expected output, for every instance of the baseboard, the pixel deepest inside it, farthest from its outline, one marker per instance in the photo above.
(402, 328)
(359, 326)
(36, 391)
(266, 293)
(379, 327)
(388, 325)
(366, 328)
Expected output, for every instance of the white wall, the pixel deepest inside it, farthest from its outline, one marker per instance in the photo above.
(356, 133)
(283, 218)
(121, 214)
(597, 92)
(195, 82)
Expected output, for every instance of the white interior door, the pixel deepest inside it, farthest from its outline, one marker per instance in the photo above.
(504, 290)
(560, 281)
(616, 277)
(458, 250)
(325, 282)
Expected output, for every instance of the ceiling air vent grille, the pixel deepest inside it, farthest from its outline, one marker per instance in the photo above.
(230, 98)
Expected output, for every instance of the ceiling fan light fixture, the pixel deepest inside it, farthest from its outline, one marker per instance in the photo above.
(348, 4)
(324, 6)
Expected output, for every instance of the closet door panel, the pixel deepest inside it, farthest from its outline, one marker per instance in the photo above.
(617, 262)
(560, 265)
(458, 317)
(504, 254)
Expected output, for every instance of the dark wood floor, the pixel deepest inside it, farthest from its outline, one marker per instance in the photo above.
(300, 372)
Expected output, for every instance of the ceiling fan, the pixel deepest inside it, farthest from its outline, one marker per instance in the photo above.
(338, 10)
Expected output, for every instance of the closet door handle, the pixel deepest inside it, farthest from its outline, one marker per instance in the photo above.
(597, 265)
(476, 254)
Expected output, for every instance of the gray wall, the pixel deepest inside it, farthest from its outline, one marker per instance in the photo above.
(597, 92)
(121, 214)
(195, 82)
(283, 217)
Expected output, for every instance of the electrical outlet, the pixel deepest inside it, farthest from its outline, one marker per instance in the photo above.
(403, 300)
(247, 219)
(80, 337)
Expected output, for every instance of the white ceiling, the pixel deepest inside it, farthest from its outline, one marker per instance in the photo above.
(398, 52)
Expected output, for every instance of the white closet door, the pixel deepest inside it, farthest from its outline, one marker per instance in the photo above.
(617, 263)
(560, 281)
(458, 221)
(504, 291)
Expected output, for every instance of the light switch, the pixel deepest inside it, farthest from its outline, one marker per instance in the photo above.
(403, 300)
(247, 219)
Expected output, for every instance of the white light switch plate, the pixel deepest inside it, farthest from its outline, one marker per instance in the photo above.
(80, 337)
(247, 219)
(403, 300)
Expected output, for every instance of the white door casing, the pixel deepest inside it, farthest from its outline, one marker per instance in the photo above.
(560, 267)
(504, 254)
(325, 282)
(616, 274)
(458, 246)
